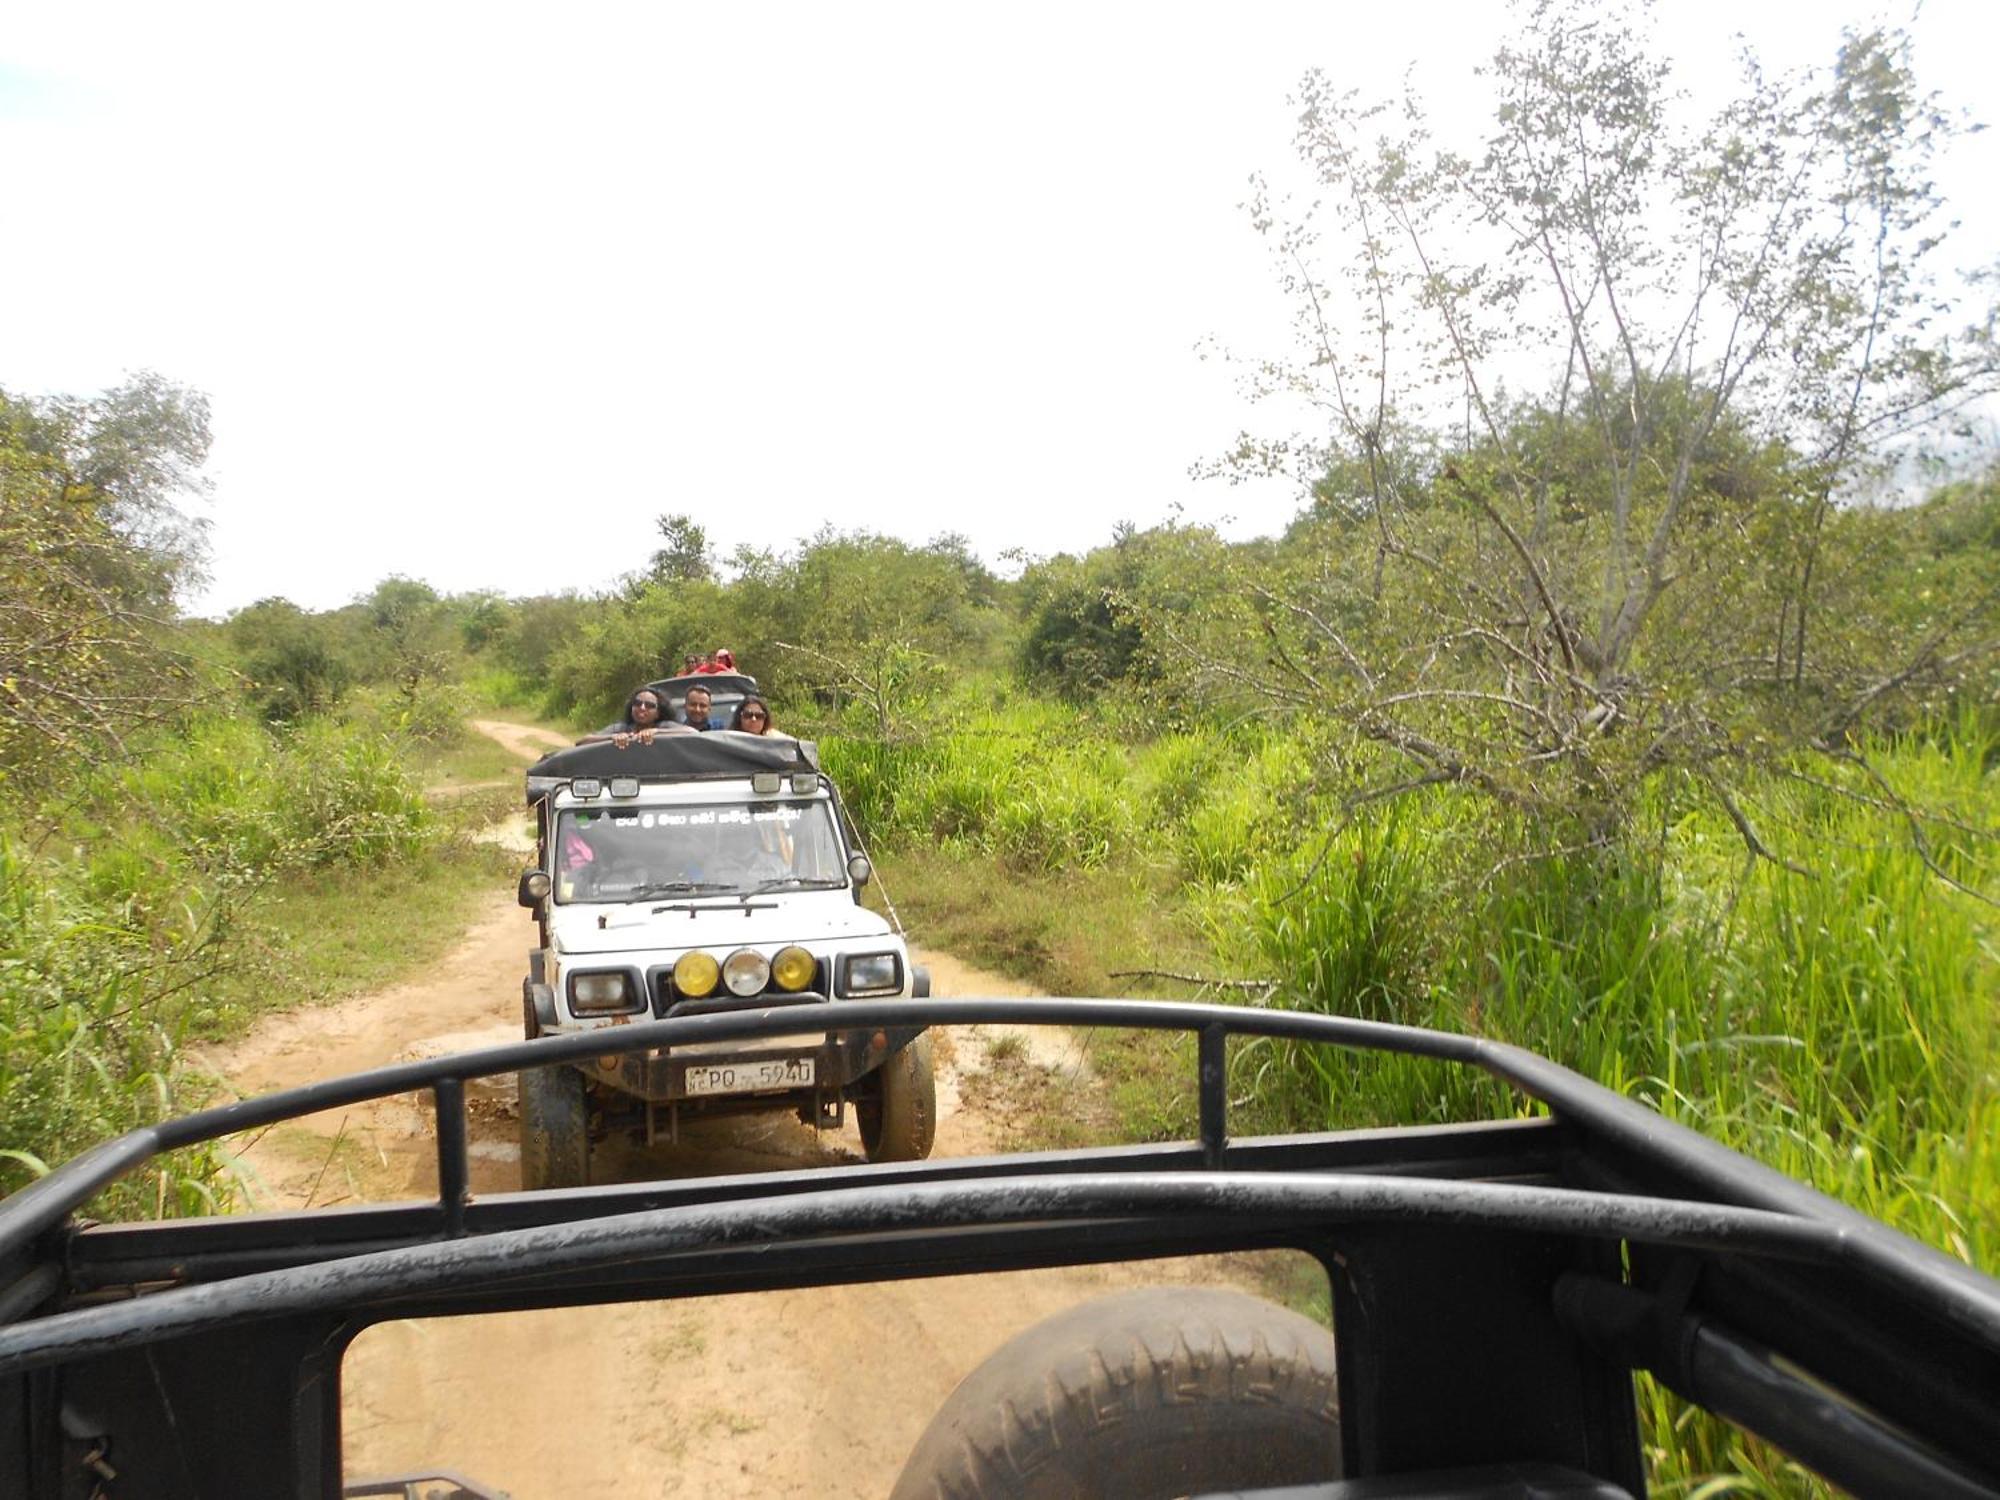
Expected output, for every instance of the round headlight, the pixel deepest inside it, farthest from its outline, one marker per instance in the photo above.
(745, 972)
(695, 975)
(793, 968)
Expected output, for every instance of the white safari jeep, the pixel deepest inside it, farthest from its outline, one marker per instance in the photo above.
(707, 873)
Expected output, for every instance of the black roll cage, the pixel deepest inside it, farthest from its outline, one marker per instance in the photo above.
(1514, 1272)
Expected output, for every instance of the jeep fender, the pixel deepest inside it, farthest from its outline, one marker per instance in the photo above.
(538, 1004)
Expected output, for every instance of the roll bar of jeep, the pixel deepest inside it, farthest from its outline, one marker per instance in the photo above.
(1495, 1284)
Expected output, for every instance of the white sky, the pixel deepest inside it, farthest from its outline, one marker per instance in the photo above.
(478, 291)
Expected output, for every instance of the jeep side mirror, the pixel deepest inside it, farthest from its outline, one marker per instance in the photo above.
(534, 887)
(859, 870)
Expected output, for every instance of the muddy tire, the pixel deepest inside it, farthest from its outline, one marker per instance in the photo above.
(1143, 1395)
(897, 1108)
(555, 1129)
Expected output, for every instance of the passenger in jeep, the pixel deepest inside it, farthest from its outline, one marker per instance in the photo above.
(698, 708)
(752, 716)
(641, 722)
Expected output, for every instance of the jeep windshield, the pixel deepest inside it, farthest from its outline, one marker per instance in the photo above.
(639, 853)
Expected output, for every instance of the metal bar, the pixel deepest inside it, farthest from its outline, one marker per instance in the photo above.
(45, 1203)
(1307, 1203)
(1927, 1278)
(1522, 1151)
(708, 1007)
(1844, 1443)
(1214, 1077)
(33, 1289)
(454, 1168)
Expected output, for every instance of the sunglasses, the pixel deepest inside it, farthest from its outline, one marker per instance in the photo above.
(750, 714)
(647, 703)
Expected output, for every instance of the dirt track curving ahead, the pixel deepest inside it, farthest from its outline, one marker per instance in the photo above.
(819, 1392)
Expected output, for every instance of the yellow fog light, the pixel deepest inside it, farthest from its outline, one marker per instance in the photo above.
(793, 968)
(695, 975)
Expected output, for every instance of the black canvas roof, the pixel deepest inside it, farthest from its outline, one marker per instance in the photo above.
(676, 757)
(715, 682)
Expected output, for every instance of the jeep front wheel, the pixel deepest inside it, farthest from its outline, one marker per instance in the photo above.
(897, 1108)
(555, 1128)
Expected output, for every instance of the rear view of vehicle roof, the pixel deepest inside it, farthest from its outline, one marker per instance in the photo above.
(679, 757)
(715, 682)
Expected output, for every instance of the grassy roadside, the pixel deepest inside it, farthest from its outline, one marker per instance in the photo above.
(317, 935)
(470, 760)
(322, 935)
(1078, 932)
(1074, 932)
(1833, 1018)
(222, 870)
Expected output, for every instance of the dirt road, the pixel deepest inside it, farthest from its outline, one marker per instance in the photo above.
(818, 1392)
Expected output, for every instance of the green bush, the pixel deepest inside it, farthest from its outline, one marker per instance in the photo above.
(87, 1042)
(227, 797)
(119, 913)
(1020, 784)
(1250, 813)
(1837, 1024)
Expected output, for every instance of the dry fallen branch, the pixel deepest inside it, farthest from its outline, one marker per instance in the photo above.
(1919, 839)
(1247, 986)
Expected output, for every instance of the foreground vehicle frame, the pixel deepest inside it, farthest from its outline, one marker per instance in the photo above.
(1494, 1284)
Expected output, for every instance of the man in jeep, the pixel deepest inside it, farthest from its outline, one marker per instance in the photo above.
(697, 709)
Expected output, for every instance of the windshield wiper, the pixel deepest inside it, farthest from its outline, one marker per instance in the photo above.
(780, 882)
(675, 888)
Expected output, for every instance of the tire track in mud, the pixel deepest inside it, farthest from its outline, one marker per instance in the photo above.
(820, 1391)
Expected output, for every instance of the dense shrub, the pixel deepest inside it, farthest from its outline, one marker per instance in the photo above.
(87, 1047)
(118, 910)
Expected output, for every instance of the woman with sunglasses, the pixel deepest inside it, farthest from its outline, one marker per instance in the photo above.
(641, 722)
(752, 716)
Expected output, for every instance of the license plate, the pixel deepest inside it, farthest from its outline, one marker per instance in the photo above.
(750, 1077)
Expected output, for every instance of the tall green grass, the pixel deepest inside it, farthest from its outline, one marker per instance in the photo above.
(123, 905)
(86, 1049)
(1022, 787)
(1837, 1025)
(1040, 788)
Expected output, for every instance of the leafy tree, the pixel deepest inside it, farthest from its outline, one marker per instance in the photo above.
(410, 633)
(537, 628)
(685, 555)
(482, 618)
(876, 620)
(1657, 564)
(92, 547)
(292, 662)
(1086, 619)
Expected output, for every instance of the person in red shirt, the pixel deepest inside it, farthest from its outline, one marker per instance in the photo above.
(722, 661)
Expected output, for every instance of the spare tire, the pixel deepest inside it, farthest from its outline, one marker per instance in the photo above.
(1144, 1395)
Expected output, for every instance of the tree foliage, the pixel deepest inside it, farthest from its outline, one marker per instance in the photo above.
(92, 548)
(843, 618)
(684, 556)
(1658, 560)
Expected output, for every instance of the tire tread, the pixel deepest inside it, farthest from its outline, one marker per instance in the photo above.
(1124, 1394)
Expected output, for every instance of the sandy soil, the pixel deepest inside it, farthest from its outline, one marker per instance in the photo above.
(818, 1392)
